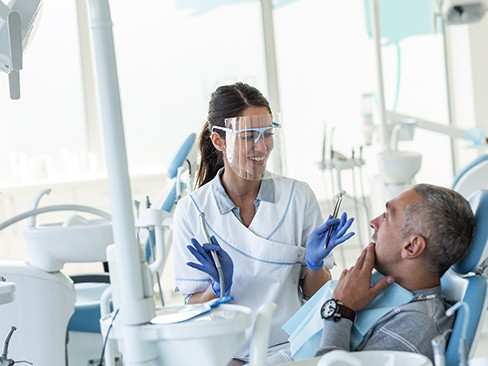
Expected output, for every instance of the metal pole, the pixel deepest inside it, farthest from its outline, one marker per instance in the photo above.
(270, 55)
(135, 307)
(380, 97)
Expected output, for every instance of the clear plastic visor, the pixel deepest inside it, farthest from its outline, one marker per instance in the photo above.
(249, 141)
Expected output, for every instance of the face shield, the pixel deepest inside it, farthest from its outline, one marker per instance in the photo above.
(253, 145)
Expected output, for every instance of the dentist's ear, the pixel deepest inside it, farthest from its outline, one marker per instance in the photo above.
(414, 247)
(217, 141)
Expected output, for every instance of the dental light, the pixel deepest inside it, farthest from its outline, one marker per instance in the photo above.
(462, 11)
(18, 20)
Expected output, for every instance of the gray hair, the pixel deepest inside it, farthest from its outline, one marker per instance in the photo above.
(446, 221)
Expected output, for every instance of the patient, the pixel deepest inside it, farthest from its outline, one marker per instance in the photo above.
(420, 235)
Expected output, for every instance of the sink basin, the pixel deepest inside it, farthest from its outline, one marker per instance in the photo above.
(76, 240)
(398, 167)
(373, 358)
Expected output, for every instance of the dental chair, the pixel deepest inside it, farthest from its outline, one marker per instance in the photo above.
(466, 283)
(184, 160)
(84, 325)
(472, 177)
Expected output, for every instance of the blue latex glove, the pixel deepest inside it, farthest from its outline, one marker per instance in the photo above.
(207, 265)
(316, 251)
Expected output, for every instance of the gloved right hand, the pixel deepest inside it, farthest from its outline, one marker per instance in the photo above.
(316, 250)
(207, 265)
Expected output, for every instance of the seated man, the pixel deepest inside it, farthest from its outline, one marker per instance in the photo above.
(421, 234)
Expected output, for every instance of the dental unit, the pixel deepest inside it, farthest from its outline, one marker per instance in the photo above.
(207, 334)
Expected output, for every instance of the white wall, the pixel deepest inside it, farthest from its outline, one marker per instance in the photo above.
(172, 54)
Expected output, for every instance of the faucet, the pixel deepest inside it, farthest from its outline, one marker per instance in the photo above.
(4, 361)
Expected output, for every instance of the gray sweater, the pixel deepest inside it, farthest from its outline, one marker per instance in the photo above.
(408, 328)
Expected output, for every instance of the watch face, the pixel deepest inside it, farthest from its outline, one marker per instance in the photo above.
(329, 309)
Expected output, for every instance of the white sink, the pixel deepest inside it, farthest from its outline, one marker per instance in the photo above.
(373, 358)
(397, 167)
(76, 240)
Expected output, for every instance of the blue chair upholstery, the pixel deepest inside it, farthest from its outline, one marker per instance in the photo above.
(90, 287)
(464, 283)
(86, 317)
(169, 196)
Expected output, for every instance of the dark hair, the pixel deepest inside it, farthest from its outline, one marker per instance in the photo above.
(226, 102)
(446, 221)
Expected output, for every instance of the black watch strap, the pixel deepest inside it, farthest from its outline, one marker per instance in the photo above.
(346, 312)
(334, 309)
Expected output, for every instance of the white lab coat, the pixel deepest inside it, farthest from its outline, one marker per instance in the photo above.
(269, 256)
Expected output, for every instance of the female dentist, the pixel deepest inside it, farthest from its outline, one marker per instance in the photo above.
(262, 225)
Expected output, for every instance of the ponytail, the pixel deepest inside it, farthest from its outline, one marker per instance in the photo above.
(210, 158)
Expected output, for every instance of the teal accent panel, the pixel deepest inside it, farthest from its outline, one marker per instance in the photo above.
(403, 18)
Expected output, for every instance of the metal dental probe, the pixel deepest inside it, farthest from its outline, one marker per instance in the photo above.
(334, 214)
(214, 257)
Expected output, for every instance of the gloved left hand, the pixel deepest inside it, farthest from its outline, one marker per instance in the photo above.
(207, 265)
(316, 251)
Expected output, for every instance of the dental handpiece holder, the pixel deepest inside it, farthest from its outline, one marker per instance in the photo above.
(157, 221)
(149, 219)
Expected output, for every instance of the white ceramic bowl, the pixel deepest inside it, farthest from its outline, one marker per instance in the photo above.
(399, 166)
(51, 246)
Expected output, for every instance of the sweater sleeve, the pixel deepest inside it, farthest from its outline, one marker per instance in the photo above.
(336, 335)
(408, 331)
(408, 328)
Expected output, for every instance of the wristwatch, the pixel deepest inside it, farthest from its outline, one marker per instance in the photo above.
(335, 310)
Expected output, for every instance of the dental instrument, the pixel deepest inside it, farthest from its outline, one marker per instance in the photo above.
(334, 214)
(214, 257)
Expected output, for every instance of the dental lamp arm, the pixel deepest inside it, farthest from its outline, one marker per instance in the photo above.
(475, 135)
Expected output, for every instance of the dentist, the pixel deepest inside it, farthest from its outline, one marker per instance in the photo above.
(267, 229)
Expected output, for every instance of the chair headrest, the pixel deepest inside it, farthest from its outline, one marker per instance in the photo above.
(479, 248)
(181, 155)
(459, 177)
